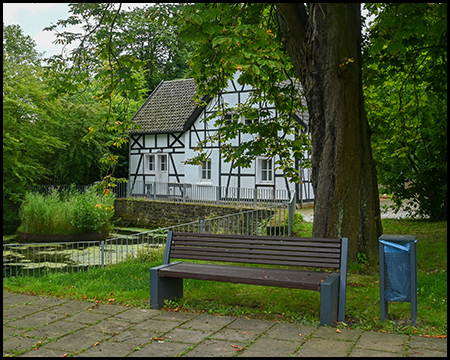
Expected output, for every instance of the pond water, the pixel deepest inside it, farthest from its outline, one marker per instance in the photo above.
(35, 259)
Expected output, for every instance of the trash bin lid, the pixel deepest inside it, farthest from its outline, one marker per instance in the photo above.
(396, 247)
(400, 238)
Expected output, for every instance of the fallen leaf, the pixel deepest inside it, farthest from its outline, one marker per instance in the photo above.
(63, 355)
(242, 348)
(245, 333)
(338, 331)
(96, 344)
(158, 339)
(235, 346)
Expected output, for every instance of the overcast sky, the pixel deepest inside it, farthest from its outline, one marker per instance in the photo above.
(33, 17)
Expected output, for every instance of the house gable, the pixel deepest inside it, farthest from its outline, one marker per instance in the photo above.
(171, 126)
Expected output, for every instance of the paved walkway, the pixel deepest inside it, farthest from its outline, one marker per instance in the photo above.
(39, 326)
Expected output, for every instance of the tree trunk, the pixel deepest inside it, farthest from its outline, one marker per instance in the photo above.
(325, 52)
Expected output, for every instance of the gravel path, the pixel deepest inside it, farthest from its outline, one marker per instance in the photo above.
(308, 212)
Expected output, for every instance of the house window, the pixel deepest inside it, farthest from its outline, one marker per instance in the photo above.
(150, 163)
(206, 171)
(265, 171)
(163, 163)
(229, 118)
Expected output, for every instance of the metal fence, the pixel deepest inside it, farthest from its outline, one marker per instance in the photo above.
(35, 259)
(189, 193)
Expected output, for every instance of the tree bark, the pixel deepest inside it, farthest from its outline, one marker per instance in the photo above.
(324, 46)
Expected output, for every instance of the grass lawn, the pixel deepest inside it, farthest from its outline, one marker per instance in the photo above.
(128, 284)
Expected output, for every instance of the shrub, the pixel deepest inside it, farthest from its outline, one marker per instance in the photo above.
(72, 212)
(92, 211)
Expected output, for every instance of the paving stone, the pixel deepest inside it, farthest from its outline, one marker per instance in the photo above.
(11, 331)
(372, 353)
(156, 325)
(236, 335)
(161, 349)
(71, 307)
(77, 341)
(20, 311)
(55, 330)
(426, 353)
(214, 348)
(324, 347)
(109, 309)
(175, 316)
(18, 343)
(187, 335)
(135, 337)
(382, 342)
(208, 322)
(16, 299)
(44, 352)
(136, 315)
(428, 343)
(109, 349)
(87, 317)
(266, 347)
(35, 320)
(49, 301)
(111, 326)
(251, 324)
(285, 331)
(332, 333)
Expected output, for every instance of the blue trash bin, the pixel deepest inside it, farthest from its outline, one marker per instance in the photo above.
(398, 272)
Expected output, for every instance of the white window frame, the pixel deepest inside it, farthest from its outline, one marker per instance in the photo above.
(148, 160)
(205, 172)
(264, 171)
(163, 163)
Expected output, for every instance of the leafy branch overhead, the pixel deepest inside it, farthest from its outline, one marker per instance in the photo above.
(242, 40)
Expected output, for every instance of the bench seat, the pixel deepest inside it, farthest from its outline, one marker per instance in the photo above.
(247, 275)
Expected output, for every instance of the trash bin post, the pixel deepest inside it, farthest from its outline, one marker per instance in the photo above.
(398, 272)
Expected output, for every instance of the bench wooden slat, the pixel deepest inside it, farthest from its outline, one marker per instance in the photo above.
(255, 237)
(306, 248)
(310, 263)
(276, 253)
(248, 275)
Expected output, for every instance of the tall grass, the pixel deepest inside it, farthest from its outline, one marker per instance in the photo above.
(69, 212)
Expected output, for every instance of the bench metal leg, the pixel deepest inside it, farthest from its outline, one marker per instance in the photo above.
(329, 300)
(163, 288)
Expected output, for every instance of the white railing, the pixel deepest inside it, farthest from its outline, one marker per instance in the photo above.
(203, 194)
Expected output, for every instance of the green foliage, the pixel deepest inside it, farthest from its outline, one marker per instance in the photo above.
(243, 39)
(28, 119)
(92, 211)
(121, 57)
(405, 80)
(68, 213)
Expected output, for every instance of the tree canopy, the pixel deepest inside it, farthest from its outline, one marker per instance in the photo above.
(406, 99)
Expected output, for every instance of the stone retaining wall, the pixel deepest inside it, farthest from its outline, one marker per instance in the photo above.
(153, 214)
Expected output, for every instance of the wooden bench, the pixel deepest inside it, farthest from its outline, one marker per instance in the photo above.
(166, 281)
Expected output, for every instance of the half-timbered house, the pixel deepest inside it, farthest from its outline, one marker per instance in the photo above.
(171, 126)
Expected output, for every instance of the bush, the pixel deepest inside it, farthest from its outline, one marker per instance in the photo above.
(92, 211)
(66, 213)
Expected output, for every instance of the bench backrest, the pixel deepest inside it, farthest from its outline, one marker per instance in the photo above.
(271, 250)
